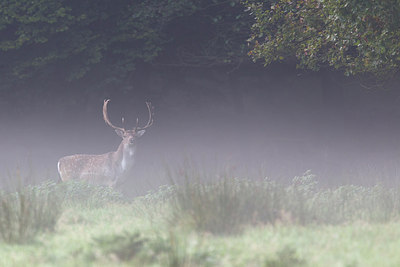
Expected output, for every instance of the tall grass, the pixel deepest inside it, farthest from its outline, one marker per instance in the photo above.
(227, 205)
(28, 211)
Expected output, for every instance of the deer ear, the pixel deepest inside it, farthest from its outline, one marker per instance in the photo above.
(140, 133)
(120, 133)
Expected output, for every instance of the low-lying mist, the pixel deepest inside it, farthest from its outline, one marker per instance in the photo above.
(267, 126)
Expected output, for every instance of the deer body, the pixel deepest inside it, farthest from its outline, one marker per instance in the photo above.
(108, 168)
(104, 169)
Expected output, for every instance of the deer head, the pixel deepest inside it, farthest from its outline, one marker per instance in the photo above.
(129, 135)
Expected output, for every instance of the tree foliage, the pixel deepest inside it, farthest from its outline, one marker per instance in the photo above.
(78, 34)
(73, 38)
(351, 35)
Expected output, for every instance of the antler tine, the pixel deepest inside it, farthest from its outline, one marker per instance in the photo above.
(105, 116)
(137, 123)
(150, 121)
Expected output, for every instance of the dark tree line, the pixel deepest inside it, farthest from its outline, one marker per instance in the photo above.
(71, 39)
(111, 39)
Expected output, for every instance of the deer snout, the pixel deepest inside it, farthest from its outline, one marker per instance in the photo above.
(131, 141)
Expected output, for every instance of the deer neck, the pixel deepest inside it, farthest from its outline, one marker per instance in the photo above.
(124, 156)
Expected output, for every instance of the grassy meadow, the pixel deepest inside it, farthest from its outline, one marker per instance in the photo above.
(224, 222)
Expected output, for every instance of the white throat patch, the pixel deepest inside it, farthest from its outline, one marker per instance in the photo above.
(127, 158)
(123, 164)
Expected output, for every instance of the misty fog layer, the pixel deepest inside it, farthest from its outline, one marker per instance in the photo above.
(275, 122)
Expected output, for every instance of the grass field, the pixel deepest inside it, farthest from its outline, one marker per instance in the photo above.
(229, 222)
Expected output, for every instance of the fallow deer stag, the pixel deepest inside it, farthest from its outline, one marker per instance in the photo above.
(108, 168)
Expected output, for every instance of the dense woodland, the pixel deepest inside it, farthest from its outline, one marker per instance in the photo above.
(103, 43)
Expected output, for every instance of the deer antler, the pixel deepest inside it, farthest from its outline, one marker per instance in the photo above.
(150, 121)
(105, 116)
